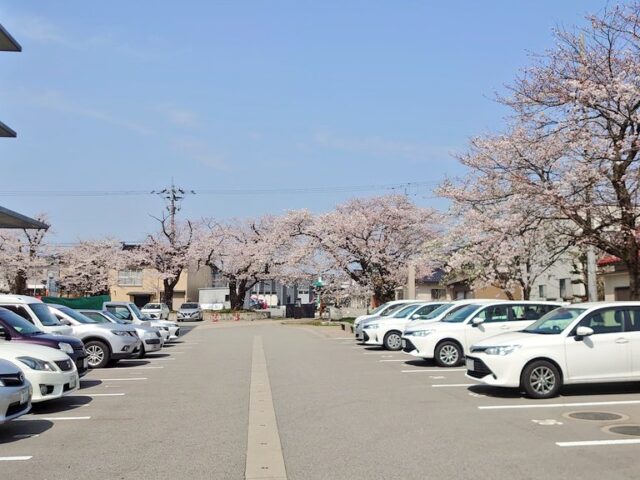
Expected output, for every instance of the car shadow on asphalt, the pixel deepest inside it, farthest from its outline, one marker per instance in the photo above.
(88, 383)
(20, 429)
(157, 355)
(567, 391)
(422, 363)
(59, 405)
(131, 363)
(374, 349)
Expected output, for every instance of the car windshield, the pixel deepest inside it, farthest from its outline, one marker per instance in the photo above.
(96, 316)
(114, 317)
(152, 306)
(406, 311)
(41, 310)
(136, 311)
(380, 308)
(555, 321)
(437, 312)
(189, 305)
(77, 316)
(19, 324)
(391, 309)
(460, 314)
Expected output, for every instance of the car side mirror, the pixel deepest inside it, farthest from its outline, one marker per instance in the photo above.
(64, 321)
(477, 321)
(582, 332)
(415, 316)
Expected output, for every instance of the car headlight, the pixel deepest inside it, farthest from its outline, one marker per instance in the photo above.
(371, 325)
(37, 364)
(418, 333)
(120, 333)
(65, 347)
(502, 350)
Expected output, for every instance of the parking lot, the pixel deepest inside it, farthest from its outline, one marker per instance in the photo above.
(203, 409)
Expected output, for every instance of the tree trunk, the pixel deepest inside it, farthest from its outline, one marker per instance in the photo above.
(237, 293)
(381, 295)
(167, 294)
(633, 265)
(20, 283)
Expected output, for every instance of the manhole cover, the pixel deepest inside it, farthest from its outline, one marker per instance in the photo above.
(597, 416)
(630, 430)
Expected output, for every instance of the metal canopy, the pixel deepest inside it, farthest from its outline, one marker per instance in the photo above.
(6, 131)
(7, 42)
(11, 219)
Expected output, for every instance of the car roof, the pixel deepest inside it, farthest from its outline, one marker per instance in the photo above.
(4, 298)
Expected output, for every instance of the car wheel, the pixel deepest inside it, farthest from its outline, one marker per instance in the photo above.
(448, 354)
(541, 379)
(141, 353)
(392, 341)
(98, 354)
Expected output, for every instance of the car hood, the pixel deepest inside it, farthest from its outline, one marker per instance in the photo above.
(518, 338)
(363, 318)
(47, 337)
(10, 351)
(163, 323)
(8, 368)
(150, 310)
(99, 327)
(58, 330)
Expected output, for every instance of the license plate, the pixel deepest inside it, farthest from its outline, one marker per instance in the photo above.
(470, 364)
(24, 396)
(404, 343)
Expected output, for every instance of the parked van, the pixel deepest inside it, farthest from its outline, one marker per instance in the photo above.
(36, 312)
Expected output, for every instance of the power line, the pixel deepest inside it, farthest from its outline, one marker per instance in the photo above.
(404, 188)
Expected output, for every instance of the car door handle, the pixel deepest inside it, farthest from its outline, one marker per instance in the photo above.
(622, 340)
(504, 327)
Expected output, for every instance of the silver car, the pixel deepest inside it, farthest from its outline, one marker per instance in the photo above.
(15, 392)
(189, 311)
(105, 343)
(151, 338)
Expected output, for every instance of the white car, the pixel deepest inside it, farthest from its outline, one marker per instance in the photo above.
(387, 331)
(15, 392)
(385, 309)
(36, 312)
(450, 339)
(51, 372)
(130, 311)
(580, 343)
(158, 311)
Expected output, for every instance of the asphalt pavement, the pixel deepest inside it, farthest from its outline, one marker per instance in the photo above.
(342, 411)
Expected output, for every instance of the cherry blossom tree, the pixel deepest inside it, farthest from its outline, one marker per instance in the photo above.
(373, 241)
(85, 267)
(246, 252)
(168, 251)
(22, 254)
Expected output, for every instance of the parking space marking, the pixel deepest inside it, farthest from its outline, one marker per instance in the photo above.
(557, 405)
(26, 435)
(264, 451)
(15, 459)
(342, 338)
(143, 368)
(436, 370)
(121, 379)
(103, 394)
(394, 360)
(598, 443)
(454, 385)
(53, 419)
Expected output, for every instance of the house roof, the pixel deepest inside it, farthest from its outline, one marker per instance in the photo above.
(7, 42)
(434, 277)
(6, 131)
(11, 219)
(608, 260)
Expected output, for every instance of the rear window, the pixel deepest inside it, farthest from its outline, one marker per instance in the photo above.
(152, 306)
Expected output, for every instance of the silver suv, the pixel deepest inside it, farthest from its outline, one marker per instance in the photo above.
(105, 343)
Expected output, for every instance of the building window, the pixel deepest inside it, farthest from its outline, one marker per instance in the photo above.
(542, 291)
(130, 278)
(565, 292)
(437, 293)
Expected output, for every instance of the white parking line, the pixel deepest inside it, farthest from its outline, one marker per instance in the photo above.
(27, 435)
(103, 394)
(15, 459)
(597, 443)
(140, 368)
(558, 405)
(455, 385)
(53, 419)
(394, 360)
(121, 379)
(441, 370)
(343, 338)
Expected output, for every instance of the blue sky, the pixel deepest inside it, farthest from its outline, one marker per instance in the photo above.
(125, 95)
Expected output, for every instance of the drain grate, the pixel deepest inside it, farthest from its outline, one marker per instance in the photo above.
(629, 430)
(596, 416)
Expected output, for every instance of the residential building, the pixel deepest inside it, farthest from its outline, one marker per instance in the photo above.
(614, 277)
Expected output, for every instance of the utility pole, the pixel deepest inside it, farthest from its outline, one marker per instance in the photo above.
(173, 197)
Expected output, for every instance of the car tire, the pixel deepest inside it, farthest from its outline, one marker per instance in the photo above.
(141, 353)
(448, 354)
(392, 341)
(98, 354)
(541, 379)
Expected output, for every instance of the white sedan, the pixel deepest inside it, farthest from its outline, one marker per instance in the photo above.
(581, 343)
(158, 311)
(387, 331)
(15, 392)
(51, 372)
(449, 340)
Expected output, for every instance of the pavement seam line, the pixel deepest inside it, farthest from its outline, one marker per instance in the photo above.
(264, 451)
